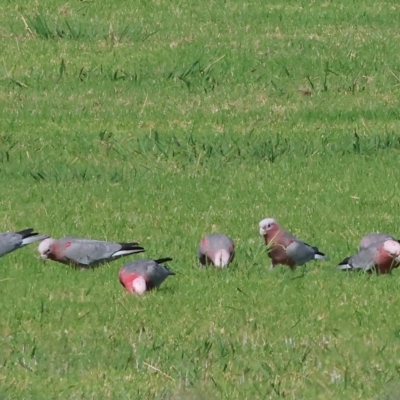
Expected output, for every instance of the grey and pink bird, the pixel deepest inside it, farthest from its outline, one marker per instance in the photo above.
(286, 249)
(372, 238)
(379, 256)
(216, 249)
(10, 241)
(85, 253)
(141, 276)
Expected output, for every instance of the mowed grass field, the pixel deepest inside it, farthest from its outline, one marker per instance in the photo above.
(161, 122)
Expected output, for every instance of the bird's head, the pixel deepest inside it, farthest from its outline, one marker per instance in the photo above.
(267, 225)
(45, 247)
(133, 283)
(392, 248)
(222, 258)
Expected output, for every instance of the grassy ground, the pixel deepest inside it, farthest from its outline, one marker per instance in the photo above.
(162, 122)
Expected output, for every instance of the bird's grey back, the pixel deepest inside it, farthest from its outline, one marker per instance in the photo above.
(372, 238)
(215, 242)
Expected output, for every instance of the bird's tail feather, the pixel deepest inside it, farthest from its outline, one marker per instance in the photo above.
(344, 267)
(129, 246)
(133, 250)
(163, 260)
(321, 256)
(34, 237)
(26, 232)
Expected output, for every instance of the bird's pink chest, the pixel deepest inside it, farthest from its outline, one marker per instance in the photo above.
(385, 263)
(276, 245)
(278, 256)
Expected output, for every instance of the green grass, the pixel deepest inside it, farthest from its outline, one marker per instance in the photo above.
(161, 122)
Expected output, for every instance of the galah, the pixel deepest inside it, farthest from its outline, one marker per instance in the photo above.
(380, 256)
(372, 238)
(140, 276)
(216, 249)
(10, 241)
(286, 249)
(85, 253)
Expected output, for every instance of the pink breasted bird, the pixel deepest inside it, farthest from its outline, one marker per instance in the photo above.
(216, 249)
(141, 276)
(286, 249)
(10, 241)
(380, 256)
(372, 238)
(85, 253)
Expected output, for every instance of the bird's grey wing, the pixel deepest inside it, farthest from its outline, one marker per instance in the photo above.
(9, 242)
(157, 274)
(300, 252)
(364, 259)
(87, 251)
